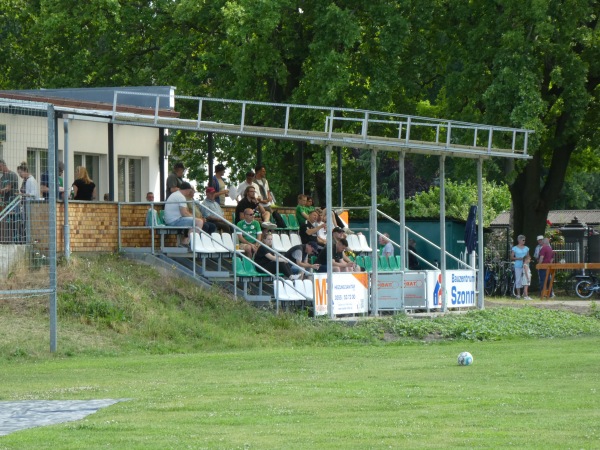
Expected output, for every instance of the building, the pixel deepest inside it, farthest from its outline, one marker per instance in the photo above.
(124, 161)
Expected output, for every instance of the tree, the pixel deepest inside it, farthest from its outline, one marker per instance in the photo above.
(459, 196)
(534, 65)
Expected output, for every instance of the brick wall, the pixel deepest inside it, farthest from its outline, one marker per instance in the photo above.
(94, 226)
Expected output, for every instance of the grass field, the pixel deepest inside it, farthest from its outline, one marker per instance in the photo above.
(518, 393)
(201, 370)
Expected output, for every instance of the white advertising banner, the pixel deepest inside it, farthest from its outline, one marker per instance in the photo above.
(460, 292)
(350, 293)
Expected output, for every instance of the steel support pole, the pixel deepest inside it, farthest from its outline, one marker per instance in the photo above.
(373, 234)
(402, 240)
(52, 185)
(67, 193)
(443, 229)
(480, 280)
(330, 243)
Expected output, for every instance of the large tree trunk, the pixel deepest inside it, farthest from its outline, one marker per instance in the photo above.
(532, 195)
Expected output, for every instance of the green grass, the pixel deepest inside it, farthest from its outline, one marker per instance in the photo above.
(519, 393)
(202, 370)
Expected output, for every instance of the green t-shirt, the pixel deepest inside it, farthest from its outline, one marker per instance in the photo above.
(252, 228)
(302, 209)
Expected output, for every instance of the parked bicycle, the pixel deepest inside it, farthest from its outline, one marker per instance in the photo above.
(586, 287)
(490, 282)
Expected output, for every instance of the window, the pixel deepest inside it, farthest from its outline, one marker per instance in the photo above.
(92, 164)
(130, 179)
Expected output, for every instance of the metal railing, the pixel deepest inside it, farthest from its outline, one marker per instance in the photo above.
(332, 126)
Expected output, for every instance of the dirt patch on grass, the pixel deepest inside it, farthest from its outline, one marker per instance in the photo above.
(574, 306)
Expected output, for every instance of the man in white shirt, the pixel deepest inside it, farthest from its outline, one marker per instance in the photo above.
(241, 188)
(263, 193)
(177, 213)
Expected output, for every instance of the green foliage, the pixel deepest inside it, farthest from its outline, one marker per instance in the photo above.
(459, 196)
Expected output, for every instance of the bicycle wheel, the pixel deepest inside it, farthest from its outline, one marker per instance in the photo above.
(490, 283)
(584, 289)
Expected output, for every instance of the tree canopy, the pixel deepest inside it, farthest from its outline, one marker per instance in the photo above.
(533, 65)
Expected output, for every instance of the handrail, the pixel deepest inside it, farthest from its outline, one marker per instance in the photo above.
(11, 207)
(410, 230)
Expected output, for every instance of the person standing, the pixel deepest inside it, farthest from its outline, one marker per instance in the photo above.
(546, 257)
(518, 253)
(526, 277)
(29, 188)
(83, 186)
(241, 188)
(9, 183)
(45, 183)
(175, 179)
(219, 185)
(265, 196)
(536, 252)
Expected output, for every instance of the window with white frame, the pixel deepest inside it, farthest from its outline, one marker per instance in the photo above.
(129, 179)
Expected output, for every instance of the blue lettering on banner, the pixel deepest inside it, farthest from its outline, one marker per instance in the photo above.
(463, 278)
(462, 297)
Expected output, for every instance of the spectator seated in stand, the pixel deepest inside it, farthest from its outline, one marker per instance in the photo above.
(213, 212)
(300, 254)
(309, 229)
(250, 201)
(195, 210)
(251, 227)
(338, 263)
(265, 257)
(177, 213)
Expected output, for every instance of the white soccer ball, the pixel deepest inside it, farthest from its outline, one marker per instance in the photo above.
(465, 359)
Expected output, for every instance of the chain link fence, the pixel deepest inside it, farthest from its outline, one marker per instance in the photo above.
(28, 195)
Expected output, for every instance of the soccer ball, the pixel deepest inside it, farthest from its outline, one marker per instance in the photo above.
(465, 359)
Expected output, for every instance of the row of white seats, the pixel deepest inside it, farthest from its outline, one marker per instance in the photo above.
(285, 290)
(283, 242)
(358, 243)
(220, 243)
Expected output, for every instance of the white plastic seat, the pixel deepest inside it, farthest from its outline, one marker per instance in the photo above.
(295, 239)
(208, 244)
(299, 285)
(280, 291)
(217, 242)
(286, 244)
(308, 289)
(363, 243)
(228, 242)
(291, 291)
(196, 243)
(277, 244)
(354, 243)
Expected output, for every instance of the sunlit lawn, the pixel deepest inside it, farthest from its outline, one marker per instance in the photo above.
(525, 393)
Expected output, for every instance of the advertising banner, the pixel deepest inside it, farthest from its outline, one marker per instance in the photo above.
(460, 292)
(389, 292)
(350, 293)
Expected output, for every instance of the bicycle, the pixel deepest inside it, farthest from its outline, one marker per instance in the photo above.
(490, 280)
(587, 287)
(507, 279)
